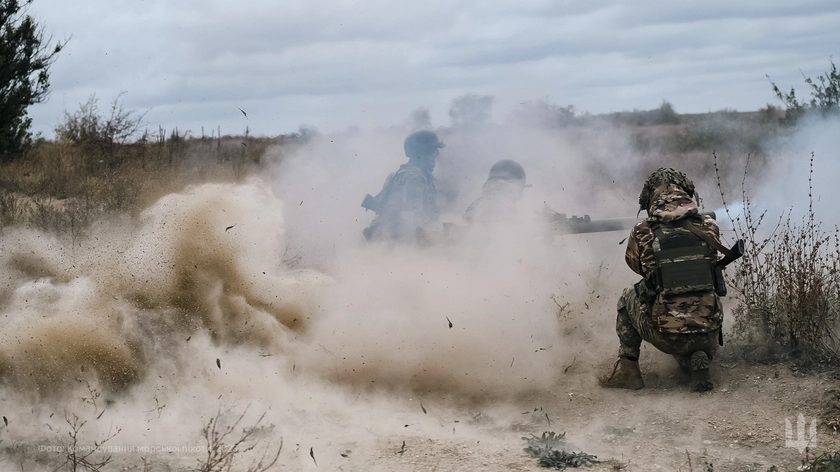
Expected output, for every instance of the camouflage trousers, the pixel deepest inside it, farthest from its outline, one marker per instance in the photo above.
(633, 327)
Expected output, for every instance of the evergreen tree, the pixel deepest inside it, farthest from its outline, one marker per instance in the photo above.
(25, 59)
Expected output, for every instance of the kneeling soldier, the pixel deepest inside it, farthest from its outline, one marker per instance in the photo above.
(676, 306)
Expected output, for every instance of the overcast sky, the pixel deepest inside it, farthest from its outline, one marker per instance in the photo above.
(369, 63)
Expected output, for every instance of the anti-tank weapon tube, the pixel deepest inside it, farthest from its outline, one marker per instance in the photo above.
(561, 224)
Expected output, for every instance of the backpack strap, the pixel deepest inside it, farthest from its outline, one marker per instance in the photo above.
(685, 223)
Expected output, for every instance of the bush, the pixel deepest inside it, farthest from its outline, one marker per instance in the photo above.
(825, 96)
(725, 131)
(100, 136)
(788, 287)
(664, 115)
(543, 114)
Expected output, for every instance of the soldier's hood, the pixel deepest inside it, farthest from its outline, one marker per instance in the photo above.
(671, 203)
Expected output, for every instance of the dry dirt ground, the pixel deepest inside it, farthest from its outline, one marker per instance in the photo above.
(740, 426)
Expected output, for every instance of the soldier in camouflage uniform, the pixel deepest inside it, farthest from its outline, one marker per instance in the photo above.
(408, 197)
(676, 306)
(499, 195)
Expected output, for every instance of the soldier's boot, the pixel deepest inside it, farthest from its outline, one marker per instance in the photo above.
(700, 379)
(625, 374)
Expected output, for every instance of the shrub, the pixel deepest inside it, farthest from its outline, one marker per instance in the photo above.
(100, 137)
(825, 96)
(664, 115)
(543, 114)
(787, 285)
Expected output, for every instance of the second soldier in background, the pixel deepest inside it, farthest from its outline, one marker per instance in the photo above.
(499, 195)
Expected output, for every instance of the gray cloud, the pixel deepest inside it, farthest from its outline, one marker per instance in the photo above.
(337, 64)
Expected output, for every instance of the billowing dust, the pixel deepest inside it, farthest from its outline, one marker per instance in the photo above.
(263, 296)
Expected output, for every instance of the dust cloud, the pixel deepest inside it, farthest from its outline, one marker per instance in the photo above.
(263, 296)
(510, 292)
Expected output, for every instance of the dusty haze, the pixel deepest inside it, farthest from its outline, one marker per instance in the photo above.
(338, 340)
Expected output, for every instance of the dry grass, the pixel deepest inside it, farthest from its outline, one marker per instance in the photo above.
(787, 286)
(63, 187)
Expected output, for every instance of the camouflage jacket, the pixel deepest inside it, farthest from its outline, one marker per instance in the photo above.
(693, 312)
(407, 202)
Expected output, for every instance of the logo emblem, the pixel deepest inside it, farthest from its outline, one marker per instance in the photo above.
(801, 442)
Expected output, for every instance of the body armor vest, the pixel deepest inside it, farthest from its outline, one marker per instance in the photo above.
(685, 263)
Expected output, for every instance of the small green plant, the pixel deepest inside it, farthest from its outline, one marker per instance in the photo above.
(828, 462)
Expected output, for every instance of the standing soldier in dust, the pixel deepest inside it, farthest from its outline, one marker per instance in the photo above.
(407, 201)
(676, 306)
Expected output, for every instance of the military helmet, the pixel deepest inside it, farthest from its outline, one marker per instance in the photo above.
(664, 175)
(509, 170)
(422, 144)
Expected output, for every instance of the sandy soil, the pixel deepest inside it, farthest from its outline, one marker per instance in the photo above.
(740, 426)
